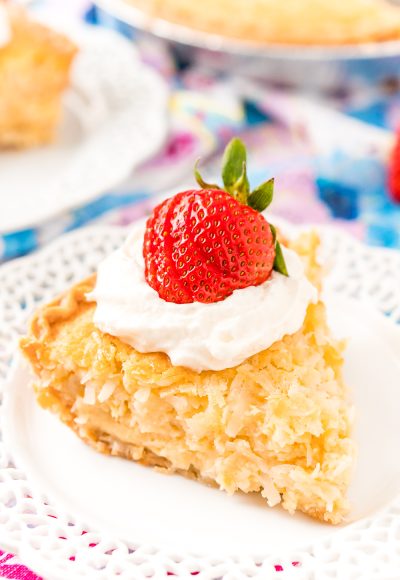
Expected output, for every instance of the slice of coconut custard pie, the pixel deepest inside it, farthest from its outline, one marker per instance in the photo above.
(201, 347)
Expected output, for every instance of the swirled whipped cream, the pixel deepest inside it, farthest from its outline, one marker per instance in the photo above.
(199, 336)
(5, 27)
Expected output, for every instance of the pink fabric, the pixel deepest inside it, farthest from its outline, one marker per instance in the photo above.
(10, 567)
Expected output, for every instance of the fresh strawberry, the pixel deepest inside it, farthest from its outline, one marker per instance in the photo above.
(201, 245)
(394, 170)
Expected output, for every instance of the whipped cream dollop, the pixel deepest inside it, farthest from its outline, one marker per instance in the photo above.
(199, 336)
(5, 26)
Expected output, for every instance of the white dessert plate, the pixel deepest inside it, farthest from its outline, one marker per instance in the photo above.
(114, 118)
(141, 523)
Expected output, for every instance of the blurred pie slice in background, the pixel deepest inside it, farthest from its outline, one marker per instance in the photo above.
(34, 71)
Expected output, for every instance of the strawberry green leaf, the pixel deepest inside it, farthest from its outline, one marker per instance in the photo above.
(279, 262)
(261, 197)
(203, 184)
(234, 169)
(273, 231)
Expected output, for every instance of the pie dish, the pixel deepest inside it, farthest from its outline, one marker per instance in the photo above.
(277, 423)
(300, 22)
(35, 64)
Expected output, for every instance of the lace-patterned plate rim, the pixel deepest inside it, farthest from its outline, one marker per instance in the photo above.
(27, 281)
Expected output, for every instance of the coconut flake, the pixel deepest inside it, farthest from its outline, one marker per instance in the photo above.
(269, 491)
(106, 391)
(89, 397)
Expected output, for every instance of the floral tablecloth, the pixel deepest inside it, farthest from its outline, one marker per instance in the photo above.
(329, 160)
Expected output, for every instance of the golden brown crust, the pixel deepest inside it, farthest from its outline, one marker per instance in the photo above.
(64, 307)
(34, 72)
(61, 308)
(300, 22)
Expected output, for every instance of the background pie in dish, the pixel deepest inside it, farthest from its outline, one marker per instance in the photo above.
(278, 423)
(303, 22)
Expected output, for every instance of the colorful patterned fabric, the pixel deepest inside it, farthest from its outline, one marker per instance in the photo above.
(336, 173)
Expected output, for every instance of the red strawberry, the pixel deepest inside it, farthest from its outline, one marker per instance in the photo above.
(394, 171)
(201, 245)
